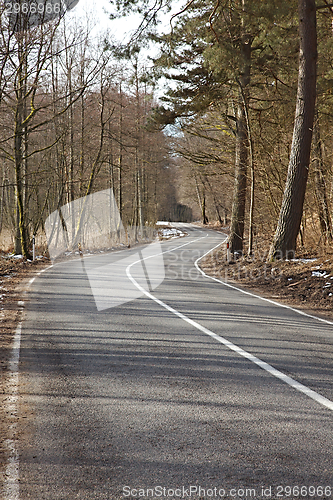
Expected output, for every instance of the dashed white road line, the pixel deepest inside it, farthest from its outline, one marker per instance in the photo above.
(262, 364)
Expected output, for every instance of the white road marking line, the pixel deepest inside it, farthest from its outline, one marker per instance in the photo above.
(298, 311)
(262, 364)
(11, 486)
(45, 269)
(11, 489)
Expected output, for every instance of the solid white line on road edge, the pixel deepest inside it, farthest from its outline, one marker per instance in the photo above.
(11, 489)
(262, 364)
(298, 311)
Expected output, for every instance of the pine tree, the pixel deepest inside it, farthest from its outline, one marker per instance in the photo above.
(284, 242)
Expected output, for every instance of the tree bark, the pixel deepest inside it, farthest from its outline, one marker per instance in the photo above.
(120, 156)
(320, 185)
(242, 150)
(22, 243)
(284, 241)
(203, 207)
(20, 140)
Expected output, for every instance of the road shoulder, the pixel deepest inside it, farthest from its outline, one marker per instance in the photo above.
(305, 283)
(14, 281)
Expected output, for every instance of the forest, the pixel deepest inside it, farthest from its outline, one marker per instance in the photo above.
(73, 121)
(240, 134)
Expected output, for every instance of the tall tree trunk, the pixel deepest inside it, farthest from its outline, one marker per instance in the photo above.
(252, 174)
(20, 140)
(216, 203)
(242, 146)
(140, 200)
(201, 200)
(82, 145)
(2, 199)
(21, 245)
(284, 241)
(320, 185)
(138, 150)
(203, 206)
(120, 157)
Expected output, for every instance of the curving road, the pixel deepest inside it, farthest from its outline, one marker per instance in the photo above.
(191, 385)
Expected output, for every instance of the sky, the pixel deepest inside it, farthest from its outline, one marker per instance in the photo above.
(96, 9)
(121, 28)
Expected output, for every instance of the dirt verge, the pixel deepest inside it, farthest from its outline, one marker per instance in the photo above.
(305, 282)
(14, 276)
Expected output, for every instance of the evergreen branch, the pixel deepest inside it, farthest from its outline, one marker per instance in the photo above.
(180, 12)
(211, 20)
(327, 6)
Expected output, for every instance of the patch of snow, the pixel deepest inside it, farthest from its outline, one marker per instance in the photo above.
(320, 274)
(171, 233)
(162, 223)
(304, 261)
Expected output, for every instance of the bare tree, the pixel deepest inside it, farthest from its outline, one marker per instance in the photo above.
(26, 99)
(320, 184)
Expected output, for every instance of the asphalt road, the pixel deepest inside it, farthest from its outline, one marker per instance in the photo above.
(136, 397)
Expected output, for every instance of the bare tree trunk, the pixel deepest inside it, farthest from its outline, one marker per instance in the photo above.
(320, 184)
(216, 203)
(140, 201)
(111, 170)
(2, 199)
(138, 149)
(197, 191)
(71, 195)
(120, 157)
(284, 241)
(202, 201)
(21, 243)
(203, 206)
(82, 159)
(242, 147)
